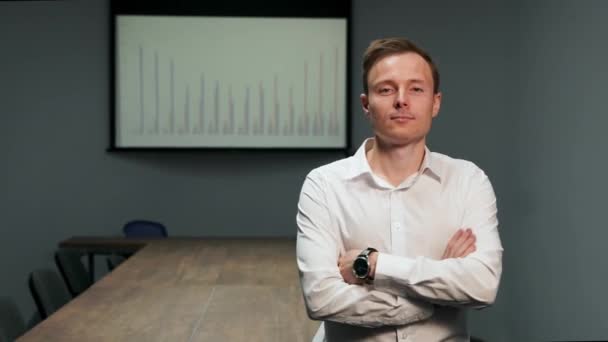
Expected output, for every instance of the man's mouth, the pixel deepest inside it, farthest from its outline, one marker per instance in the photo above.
(401, 118)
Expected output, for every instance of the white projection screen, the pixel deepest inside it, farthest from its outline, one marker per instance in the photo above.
(235, 82)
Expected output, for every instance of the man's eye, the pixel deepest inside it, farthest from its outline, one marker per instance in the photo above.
(385, 90)
(417, 89)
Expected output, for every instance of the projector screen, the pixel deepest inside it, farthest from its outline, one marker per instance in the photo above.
(230, 82)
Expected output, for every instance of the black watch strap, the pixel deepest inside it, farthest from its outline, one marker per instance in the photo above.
(365, 253)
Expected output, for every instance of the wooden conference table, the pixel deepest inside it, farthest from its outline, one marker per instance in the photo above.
(187, 289)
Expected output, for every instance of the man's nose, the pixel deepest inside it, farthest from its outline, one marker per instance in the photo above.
(402, 99)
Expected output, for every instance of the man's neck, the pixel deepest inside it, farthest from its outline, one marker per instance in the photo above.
(395, 163)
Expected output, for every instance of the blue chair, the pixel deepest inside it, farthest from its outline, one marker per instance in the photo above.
(73, 271)
(11, 321)
(144, 229)
(49, 291)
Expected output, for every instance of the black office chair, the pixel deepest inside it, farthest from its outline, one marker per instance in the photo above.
(49, 291)
(73, 271)
(11, 321)
(114, 260)
(33, 321)
(144, 229)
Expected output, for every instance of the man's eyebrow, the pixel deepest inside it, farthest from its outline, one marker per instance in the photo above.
(382, 82)
(390, 80)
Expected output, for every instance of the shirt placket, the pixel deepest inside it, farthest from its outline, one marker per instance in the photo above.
(397, 222)
(398, 214)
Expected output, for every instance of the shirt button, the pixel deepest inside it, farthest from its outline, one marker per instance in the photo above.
(397, 226)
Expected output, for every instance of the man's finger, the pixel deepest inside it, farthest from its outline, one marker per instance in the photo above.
(466, 246)
(458, 246)
(470, 240)
(469, 250)
(448, 249)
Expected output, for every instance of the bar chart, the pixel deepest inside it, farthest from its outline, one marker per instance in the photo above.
(260, 83)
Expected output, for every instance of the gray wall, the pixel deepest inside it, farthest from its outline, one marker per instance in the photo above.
(559, 228)
(522, 90)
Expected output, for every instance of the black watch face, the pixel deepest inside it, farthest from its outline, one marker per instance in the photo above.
(360, 267)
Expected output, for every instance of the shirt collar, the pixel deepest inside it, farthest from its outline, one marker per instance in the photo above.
(361, 166)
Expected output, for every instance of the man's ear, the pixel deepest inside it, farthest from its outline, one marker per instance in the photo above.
(436, 104)
(365, 104)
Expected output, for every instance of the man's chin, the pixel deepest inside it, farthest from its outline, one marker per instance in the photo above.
(398, 140)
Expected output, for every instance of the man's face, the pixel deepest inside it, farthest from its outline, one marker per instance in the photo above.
(400, 102)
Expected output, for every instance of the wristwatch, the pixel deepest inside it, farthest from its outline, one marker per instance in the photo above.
(361, 266)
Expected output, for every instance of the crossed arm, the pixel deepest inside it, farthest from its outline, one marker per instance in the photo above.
(461, 244)
(404, 289)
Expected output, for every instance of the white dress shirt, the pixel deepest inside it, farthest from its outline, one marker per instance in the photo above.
(415, 296)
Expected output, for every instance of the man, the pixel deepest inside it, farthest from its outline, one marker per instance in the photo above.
(395, 242)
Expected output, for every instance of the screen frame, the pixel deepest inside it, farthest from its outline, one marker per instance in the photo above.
(312, 9)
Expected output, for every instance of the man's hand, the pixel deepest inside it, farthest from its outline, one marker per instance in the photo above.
(345, 263)
(460, 245)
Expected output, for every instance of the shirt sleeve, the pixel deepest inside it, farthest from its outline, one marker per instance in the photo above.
(326, 295)
(471, 281)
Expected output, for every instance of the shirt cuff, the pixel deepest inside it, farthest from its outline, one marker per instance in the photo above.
(392, 275)
(393, 270)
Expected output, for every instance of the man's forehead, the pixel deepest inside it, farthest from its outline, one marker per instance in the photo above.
(408, 64)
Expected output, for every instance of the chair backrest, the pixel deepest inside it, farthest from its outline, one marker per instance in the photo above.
(49, 291)
(72, 270)
(144, 229)
(11, 321)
